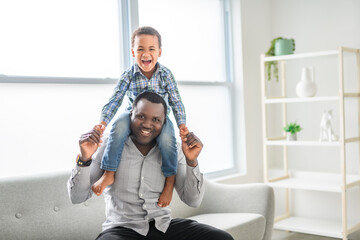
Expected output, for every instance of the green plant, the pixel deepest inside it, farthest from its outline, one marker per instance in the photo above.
(292, 128)
(273, 65)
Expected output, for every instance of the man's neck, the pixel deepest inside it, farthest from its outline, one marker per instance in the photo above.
(143, 148)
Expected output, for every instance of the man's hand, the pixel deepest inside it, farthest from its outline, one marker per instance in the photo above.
(89, 143)
(191, 146)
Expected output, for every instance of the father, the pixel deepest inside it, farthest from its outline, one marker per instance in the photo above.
(132, 211)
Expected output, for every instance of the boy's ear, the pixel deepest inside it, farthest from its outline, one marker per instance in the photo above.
(132, 52)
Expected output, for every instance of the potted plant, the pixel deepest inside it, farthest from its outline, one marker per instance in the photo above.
(291, 129)
(278, 46)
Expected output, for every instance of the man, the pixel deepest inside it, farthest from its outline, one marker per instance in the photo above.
(132, 211)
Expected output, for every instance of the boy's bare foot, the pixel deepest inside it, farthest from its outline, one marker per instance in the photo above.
(106, 179)
(165, 198)
(166, 195)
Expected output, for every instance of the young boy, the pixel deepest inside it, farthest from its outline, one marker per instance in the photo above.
(145, 75)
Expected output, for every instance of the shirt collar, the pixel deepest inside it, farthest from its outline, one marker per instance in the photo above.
(136, 69)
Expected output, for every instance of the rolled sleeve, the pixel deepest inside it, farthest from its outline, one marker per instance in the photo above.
(79, 187)
(189, 182)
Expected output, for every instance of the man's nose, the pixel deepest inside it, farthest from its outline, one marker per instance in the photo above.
(146, 123)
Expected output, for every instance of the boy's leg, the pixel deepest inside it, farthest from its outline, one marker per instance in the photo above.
(167, 145)
(119, 132)
(168, 148)
(166, 195)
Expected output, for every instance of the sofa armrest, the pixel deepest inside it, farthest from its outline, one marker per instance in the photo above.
(244, 198)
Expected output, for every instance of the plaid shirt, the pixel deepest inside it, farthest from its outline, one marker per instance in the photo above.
(133, 82)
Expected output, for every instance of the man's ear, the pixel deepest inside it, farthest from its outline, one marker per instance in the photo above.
(160, 51)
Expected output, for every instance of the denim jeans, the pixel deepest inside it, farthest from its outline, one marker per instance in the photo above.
(118, 135)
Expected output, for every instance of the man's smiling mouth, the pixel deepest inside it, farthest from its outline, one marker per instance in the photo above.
(145, 132)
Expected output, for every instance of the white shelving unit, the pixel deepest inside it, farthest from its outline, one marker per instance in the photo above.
(311, 181)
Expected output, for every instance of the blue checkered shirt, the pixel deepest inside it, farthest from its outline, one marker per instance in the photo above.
(133, 82)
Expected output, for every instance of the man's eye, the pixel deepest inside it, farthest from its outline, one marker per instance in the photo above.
(140, 116)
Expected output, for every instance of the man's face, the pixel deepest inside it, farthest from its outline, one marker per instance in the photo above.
(146, 51)
(147, 119)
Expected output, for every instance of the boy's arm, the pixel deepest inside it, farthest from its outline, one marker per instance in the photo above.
(175, 100)
(109, 109)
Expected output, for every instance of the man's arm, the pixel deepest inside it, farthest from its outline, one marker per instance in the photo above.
(189, 179)
(82, 178)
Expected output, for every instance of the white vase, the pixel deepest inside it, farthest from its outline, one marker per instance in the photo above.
(306, 87)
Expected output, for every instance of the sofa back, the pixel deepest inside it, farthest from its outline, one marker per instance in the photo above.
(38, 207)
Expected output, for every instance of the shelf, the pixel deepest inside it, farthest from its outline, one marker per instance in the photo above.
(302, 143)
(311, 226)
(301, 99)
(316, 181)
(302, 55)
(308, 182)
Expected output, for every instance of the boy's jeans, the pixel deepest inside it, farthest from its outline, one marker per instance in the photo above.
(118, 135)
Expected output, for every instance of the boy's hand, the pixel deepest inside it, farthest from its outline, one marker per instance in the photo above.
(184, 131)
(101, 127)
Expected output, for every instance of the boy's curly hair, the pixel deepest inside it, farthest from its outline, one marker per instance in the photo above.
(145, 30)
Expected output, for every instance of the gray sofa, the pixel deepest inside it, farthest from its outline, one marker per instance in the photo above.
(38, 207)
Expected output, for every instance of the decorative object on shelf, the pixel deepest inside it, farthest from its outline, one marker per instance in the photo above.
(291, 129)
(278, 46)
(306, 87)
(326, 132)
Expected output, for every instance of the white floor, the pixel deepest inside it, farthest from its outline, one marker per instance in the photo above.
(283, 235)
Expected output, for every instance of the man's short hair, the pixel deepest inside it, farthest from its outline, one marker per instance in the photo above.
(147, 31)
(151, 97)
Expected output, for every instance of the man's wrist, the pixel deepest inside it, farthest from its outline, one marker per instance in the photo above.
(83, 162)
(192, 163)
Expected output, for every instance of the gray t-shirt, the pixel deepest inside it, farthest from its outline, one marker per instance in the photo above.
(131, 201)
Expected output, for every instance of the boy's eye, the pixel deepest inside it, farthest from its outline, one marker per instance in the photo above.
(140, 116)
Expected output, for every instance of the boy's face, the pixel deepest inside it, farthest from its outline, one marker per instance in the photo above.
(146, 51)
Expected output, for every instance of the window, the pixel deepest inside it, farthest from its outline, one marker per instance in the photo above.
(195, 44)
(60, 38)
(193, 36)
(69, 40)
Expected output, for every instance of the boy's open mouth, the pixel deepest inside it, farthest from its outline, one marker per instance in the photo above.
(146, 62)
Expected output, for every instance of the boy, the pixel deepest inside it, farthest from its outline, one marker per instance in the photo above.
(145, 75)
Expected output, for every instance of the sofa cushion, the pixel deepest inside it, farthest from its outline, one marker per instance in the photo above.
(245, 226)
